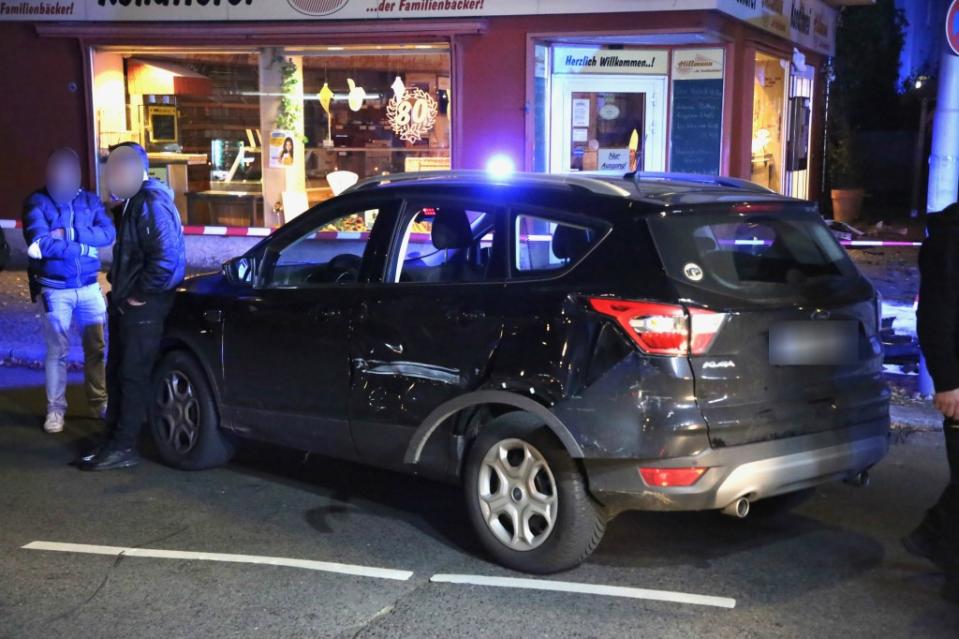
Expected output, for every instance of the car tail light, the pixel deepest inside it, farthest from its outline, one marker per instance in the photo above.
(663, 329)
(667, 477)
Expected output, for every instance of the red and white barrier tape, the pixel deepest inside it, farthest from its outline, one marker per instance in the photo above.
(870, 243)
(260, 231)
(228, 231)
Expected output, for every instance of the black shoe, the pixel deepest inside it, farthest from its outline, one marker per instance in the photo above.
(923, 545)
(112, 458)
(93, 448)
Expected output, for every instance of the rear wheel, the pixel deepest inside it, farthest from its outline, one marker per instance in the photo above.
(527, 500)
(184, 420)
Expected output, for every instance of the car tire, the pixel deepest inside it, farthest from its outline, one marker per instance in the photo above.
(184, 420)
(559, 522)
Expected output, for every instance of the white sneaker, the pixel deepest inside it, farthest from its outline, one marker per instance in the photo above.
(54, 422)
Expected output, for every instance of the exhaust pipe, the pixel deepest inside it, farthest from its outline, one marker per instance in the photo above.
(860, 480)
(738, 509)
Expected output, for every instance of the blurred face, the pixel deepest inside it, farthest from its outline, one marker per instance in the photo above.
(124, 172)
(63, 176)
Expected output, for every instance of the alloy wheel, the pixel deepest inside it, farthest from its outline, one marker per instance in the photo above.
(178, 412)
(517, 492)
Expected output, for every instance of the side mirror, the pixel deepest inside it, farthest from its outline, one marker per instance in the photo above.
(240, 270)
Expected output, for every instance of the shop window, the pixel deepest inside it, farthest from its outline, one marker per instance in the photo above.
(198, 116)
(543, 245)
(366, 110)
(325, 254)
(445, 244)
(372, 111)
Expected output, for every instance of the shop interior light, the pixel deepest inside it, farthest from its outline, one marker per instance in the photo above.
(500, 166)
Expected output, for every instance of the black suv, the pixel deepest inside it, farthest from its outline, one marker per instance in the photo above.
(566, 348)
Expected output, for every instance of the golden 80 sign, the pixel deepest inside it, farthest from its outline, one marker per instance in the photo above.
(412, 115)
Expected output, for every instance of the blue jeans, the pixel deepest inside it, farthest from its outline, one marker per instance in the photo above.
(58, 307)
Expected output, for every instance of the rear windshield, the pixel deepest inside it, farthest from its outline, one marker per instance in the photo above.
(759, 257)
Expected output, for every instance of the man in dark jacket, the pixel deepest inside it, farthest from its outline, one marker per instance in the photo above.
(937, 537)
(63, 226)
(149, 261)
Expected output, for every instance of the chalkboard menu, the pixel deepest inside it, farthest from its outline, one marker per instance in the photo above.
(697, 126)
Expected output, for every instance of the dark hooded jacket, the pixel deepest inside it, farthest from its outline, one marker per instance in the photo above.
(68, 262)
(149, 257)
(938, 314)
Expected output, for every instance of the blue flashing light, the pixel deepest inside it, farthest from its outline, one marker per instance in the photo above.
(500, 166)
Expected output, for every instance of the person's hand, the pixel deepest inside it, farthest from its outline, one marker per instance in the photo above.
(33, 251)
(57, 234)
(947, 403)
(132, 301)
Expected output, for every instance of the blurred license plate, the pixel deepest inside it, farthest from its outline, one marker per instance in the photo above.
(814, 343)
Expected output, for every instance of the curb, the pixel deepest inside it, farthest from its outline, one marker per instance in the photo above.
(914, 418)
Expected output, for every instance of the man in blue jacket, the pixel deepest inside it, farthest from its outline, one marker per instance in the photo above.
(149, 260)
(64, 226)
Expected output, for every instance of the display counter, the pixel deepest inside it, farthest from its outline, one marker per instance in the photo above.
(225, 208)
(172, 168)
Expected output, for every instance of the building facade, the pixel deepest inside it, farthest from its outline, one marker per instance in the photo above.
(252, 110)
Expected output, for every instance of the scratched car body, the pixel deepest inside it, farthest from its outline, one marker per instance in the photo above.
(566, 348)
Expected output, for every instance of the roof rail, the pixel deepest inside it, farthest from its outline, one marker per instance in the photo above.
(593, 185)
(698, 178)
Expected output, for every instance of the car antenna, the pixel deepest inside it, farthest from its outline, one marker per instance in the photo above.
(636, 177)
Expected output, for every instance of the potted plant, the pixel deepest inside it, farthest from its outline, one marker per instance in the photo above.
(845, 176)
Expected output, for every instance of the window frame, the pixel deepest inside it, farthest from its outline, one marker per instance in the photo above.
(414, 203)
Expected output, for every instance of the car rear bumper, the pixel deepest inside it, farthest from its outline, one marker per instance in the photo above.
(753, 471)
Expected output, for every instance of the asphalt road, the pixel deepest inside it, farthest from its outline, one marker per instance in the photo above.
(833, 568)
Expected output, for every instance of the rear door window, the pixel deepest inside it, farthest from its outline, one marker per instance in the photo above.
(447, 241)
(544, 245)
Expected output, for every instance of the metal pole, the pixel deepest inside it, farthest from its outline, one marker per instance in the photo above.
(944, 159)
(917, 158)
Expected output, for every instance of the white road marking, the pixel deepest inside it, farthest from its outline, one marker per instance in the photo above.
(586, 589)
(308, 564)
(387, 573)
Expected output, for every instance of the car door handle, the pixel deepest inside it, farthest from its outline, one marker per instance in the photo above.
(396, 349)
(320, 313)
(466, 315)
(251, 303)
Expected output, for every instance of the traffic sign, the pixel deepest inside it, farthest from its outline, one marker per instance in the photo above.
(952, 26)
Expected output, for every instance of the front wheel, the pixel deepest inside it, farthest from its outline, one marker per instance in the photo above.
(527, 500)
(184, 420)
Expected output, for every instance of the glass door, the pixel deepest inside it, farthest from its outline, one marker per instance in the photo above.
(769, 120)
(610, 124)
(798, 121)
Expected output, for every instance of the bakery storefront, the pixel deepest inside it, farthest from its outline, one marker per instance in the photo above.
(254, 110)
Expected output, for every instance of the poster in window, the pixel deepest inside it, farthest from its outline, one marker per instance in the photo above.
(282, 149)
(580, 112)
